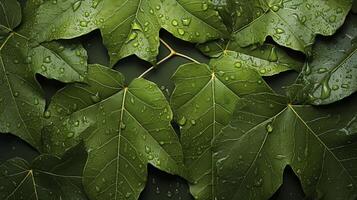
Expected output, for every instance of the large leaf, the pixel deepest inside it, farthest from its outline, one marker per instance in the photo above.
(48, 177)
(124, 129)
(267, 134)
(128, 27)
(22, 101)
(332, 73)
(293, 24)
(203, 101)
(267, 59)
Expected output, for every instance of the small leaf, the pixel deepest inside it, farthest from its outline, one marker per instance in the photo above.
(48, 177)
(332, 73)
(203, 101)
(124, 129)
(266, 135)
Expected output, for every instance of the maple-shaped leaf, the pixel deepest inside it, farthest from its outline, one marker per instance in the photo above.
(291, 23)
(47, 177)
(22, 101)
(203, 102)
(128, 27)
(331, 74)
(267, 134)
(124, 129)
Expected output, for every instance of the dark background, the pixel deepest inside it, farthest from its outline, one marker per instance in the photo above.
(160, 185)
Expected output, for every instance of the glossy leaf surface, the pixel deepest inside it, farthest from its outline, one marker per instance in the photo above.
(203, 101)
(292, 24)
(48, 177)
(128, 27)
(124, 129)
(266, 135)
(331, 75)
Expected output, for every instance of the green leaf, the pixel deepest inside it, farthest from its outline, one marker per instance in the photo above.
(267, 134)
(203, 100)
(22, 101)
(48, 177)
(267, 59)
(10, 15)
(100, 83)
(292, 24)
(332, 73)
(128, 27)
(124, 129)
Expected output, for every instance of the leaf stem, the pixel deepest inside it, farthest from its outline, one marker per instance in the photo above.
(172, 54)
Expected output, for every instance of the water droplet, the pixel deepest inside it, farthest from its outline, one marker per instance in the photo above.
(275, 8)
(147, 149)
(322, 70)
(182, 121)
(279, 31)
(204, 6)
(193, 122)
(70, 134)
(83, 23)
(174, 22)
(47, 59)
(97, 188)
(128, 194)
(269, 128)
(47, 114)
(326, 91)
(262, 71)
(238, 65)
(332, 18)
(76, 5)
(186, 21)
(169, 194)
(181, 31)
(94, 4)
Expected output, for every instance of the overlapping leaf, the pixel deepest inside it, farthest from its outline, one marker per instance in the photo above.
(48, 177)
(124, 129)
(292, 24)
(128, 27)
(331, 75)
(267, 134)
(267, 59)
(21, 98)
(203, 101)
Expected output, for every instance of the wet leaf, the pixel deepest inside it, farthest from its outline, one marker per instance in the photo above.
(47, 177)
(267, 134)
(124, 129)
(203, 102)
(292, 24)
(128, 27)
(331, 75)
(10, 15)
(267, 59)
